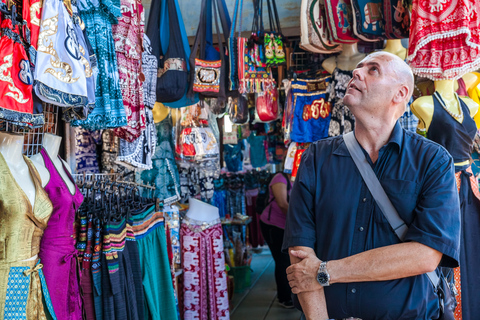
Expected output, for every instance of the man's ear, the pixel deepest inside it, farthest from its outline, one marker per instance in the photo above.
(401, 95)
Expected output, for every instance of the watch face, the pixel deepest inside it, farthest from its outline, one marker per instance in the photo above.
(322, 278)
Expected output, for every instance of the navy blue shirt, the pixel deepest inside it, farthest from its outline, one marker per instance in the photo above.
(332, 211)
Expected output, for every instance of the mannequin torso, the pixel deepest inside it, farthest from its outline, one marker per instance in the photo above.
(202, 211)
(11, 147)
(51, 144)
(423, 107)
(395, 47)
(346, 60)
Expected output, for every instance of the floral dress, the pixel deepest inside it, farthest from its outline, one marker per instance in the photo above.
(342, 120)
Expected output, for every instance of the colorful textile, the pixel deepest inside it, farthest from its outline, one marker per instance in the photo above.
(60, 67)
(205, 294)
(290, 158)
(172, 219)
(128, 37)
(312, 110)
(85, 151)
(342, 120)
(298, 158)
(444, 38)
(32, 14)
(109, 111)
(164, 174)
(139, 152)
(57, 248)
(149, 69)
(23, 226)
(340, 21)
(149, 232)
(258, 156)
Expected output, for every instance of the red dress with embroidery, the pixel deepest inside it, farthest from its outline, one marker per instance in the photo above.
(32, 14)
(444, 38)
(128, 36)
(16, 79)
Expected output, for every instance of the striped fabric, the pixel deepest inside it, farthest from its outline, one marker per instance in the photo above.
(145, 223)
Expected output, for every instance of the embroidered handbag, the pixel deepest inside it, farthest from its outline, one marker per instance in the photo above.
(397, 19)
(315, 35)
(340, 20)
(208, 77)
(368, 19)
(274, 40)
(172, 80)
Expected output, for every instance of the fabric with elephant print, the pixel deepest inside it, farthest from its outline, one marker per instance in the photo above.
(444, 38)
(368, 23)
(61, 67)
(397, 19)
(340, 21)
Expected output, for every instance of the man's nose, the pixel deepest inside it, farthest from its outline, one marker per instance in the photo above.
(357, 73)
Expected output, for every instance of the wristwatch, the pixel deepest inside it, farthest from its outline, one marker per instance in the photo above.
(322, 275)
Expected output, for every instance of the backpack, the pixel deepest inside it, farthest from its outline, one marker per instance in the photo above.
(263, 198)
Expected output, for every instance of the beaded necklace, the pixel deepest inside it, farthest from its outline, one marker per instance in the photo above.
(457, 117)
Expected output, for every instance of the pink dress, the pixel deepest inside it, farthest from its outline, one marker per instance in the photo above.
(57, 249)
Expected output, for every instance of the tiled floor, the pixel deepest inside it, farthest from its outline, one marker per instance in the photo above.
(259, 302)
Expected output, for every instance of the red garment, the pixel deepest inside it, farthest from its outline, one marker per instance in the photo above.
(444, 38)
(32, 14)
(255, 236)
(128, 36)
(16, 79)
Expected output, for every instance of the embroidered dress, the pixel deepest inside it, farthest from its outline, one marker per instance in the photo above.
(22, 284)
(109, 111)
(205, 294)
(128, 36)
(57, 249)
(16, 80)
(61, 69)
(444, 38)
(342, 120)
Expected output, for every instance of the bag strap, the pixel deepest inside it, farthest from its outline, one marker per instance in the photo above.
(193, 55)
(378, 193)
(175, 47)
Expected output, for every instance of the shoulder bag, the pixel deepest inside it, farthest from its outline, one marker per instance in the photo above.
(340, 20)
(368, 22)
(172, 80)
(443, 289)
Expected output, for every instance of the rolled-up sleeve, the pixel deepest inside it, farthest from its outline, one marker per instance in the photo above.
(437, 214)
(300, 226)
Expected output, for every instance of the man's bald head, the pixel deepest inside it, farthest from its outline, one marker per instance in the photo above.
(403, 73)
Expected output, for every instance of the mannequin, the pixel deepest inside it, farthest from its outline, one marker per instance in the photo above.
(395, 47)
(51, 144)
(346, 60)
(11, 148)
(202, 211)
(423, 107)
(427, 87)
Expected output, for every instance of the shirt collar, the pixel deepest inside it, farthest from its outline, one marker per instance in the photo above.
(396, 138)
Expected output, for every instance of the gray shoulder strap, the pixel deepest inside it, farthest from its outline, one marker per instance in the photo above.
(378, 193)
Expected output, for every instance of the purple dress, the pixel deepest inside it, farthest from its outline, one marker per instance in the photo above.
(57, 249)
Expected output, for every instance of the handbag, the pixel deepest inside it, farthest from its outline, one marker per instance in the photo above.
(368, 22)
(172, 79)
(237, 106)
(274, 39)
(208, 77)
(266, 104)
(397, 19)
(443, 288)
(233, 79)
(315, 36)
(340, 20)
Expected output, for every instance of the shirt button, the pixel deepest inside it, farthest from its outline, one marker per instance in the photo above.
(360, 229)
(364, 199)
(354, 290)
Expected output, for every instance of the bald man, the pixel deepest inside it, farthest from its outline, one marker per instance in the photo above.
(346, 259)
